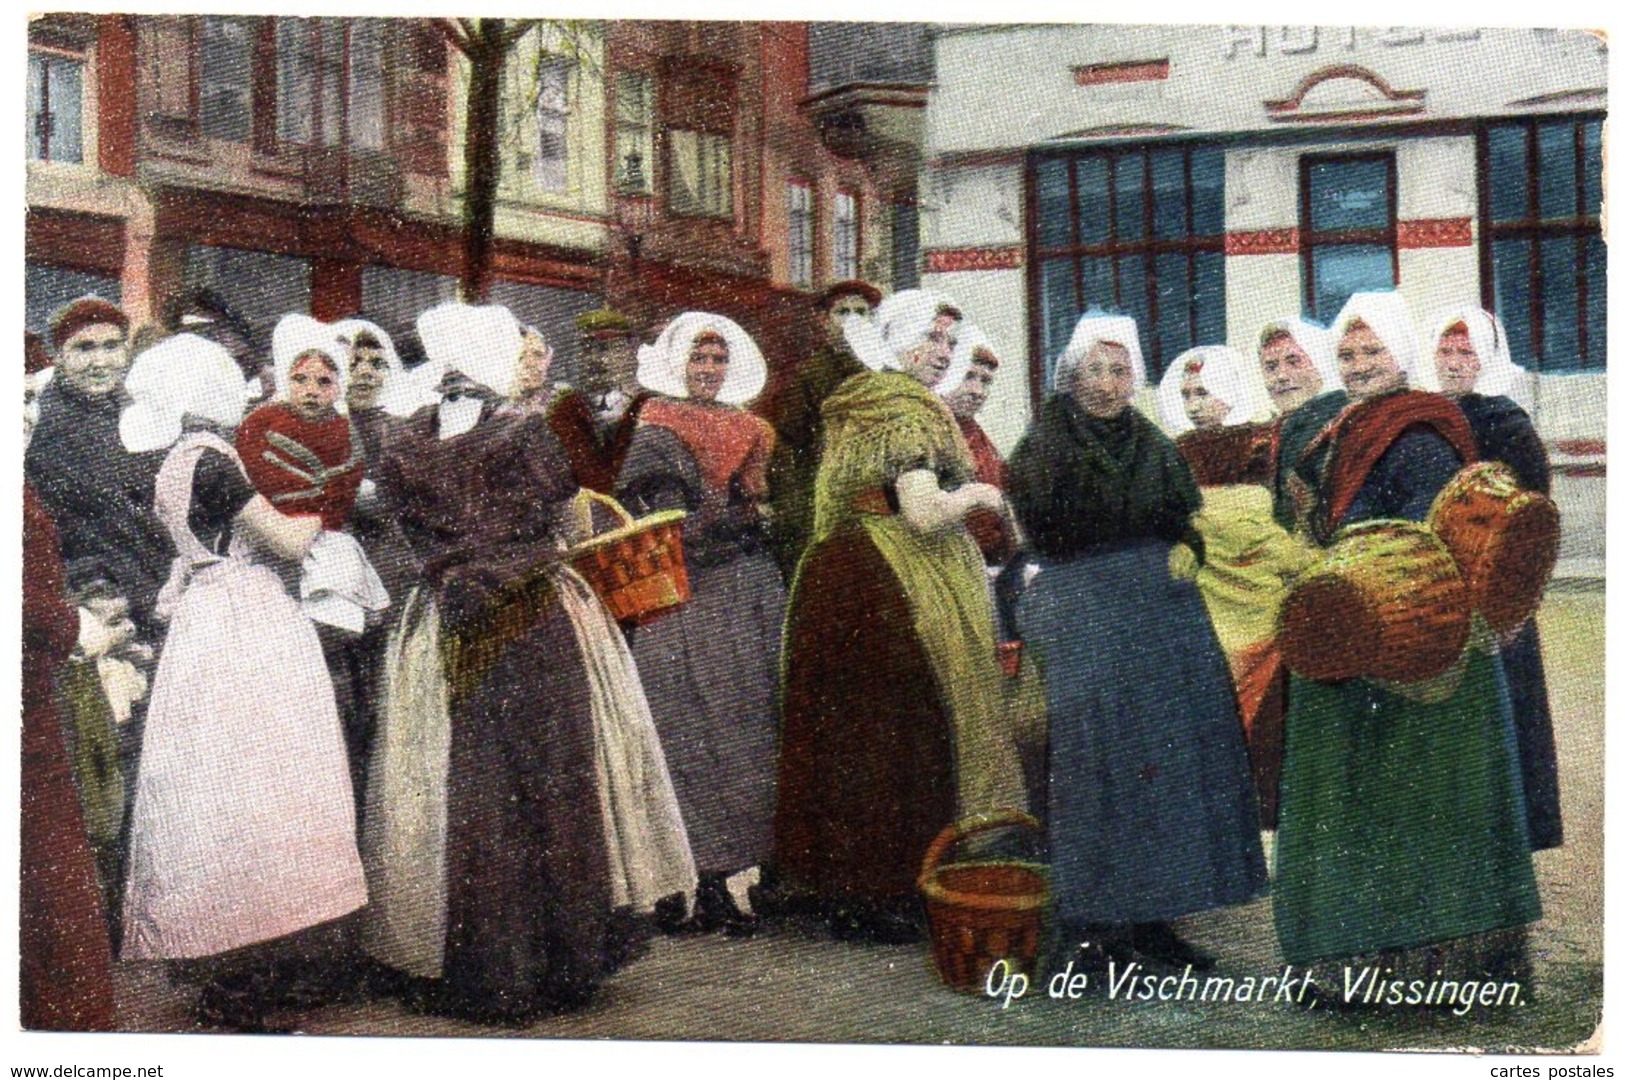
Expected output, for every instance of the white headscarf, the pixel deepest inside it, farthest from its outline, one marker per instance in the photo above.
(1313, 340)
(1498, 376)
(900, 323)
(398, 397)
(183, 374)
(294, 336)
(663, 366)
(1224, 375)
(1092, 329)
(482, 342)
(1390, 319)
(971, 341)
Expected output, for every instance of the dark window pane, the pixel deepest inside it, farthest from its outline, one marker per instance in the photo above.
(905, 246)
(1060, 309)
(1173, 310)
(1348, 195)
(1168, 194)
(1593, 168)
(1341, 270)
(1556, 161)
(1560, 307)
(1094, 208)
(1509, 174)
(1054, 205)
(1210, 302)
(1134, 296)
(224, 88)
(1596, 313)
(1207, 193)
(1130, 198)
(1097, 282)
(1512, 297)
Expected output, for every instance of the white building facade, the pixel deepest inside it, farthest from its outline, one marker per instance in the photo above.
(1206, 179)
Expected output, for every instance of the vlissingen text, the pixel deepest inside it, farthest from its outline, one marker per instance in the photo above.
(1350, 985)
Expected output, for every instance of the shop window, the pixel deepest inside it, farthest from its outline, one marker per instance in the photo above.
(55, 107)
(701, 174)
(1543, 268)
(1136, 230)
(1348, 229)
(799, 197)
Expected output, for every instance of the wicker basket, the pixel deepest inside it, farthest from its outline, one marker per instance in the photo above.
(1387, 601)
(983, 911)
(637, 568)
(1503, 537)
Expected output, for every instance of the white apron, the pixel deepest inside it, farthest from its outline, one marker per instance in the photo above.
(243, 828)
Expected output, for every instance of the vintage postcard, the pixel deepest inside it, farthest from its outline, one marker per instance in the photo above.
(1015, 534)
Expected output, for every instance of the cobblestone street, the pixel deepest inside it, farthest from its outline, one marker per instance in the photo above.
(793, 984)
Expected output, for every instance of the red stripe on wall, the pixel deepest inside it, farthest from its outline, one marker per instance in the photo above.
(956, 260)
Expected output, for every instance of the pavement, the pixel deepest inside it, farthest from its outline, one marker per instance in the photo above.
(794, 983)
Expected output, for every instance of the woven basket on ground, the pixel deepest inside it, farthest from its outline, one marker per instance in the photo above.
(637, 568)
(1387, 601)
(985, 910)
(1503, 537)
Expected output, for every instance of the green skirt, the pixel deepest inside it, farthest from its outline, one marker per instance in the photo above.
(1401, 822)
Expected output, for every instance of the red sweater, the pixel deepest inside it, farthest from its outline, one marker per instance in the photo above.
(302, 467)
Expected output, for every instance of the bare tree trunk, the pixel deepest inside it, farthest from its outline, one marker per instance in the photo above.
(487, 51)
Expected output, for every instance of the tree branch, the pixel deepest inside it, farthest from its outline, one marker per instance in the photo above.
(454, 31)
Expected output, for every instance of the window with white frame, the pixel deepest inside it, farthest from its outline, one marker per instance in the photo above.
(846, 236)
(634, 133)
(800, 205)
(701, 174)
(551, 163)
(55, 107)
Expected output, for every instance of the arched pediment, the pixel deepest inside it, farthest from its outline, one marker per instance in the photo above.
(1344, 92)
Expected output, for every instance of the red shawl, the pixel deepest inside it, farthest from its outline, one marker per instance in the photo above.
(302, 467)
(1242, 454)
(726, 442)
(1363, 432)
(985, 527)
(596, 463)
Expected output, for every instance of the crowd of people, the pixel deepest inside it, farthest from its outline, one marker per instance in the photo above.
(316, 705)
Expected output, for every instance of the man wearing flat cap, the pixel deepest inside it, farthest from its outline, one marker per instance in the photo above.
(795, 416)
(595, 421)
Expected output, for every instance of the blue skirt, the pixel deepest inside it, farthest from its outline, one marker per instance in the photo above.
(1152, 813)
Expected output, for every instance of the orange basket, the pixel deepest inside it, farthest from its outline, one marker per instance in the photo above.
(1503, 537)
(983, 911)
(1386, 601)
(637, 568)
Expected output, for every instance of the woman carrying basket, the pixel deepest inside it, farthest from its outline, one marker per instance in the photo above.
(519, 805)
(711, 668)
(1402, 835)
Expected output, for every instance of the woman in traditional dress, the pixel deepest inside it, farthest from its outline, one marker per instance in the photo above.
(1402, 823)
(711, 668)
(1298, 362)
(519, 805)
(1472, 365)
(895, 721)
(1151, 807)
(1212, 406)
(243, 828)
